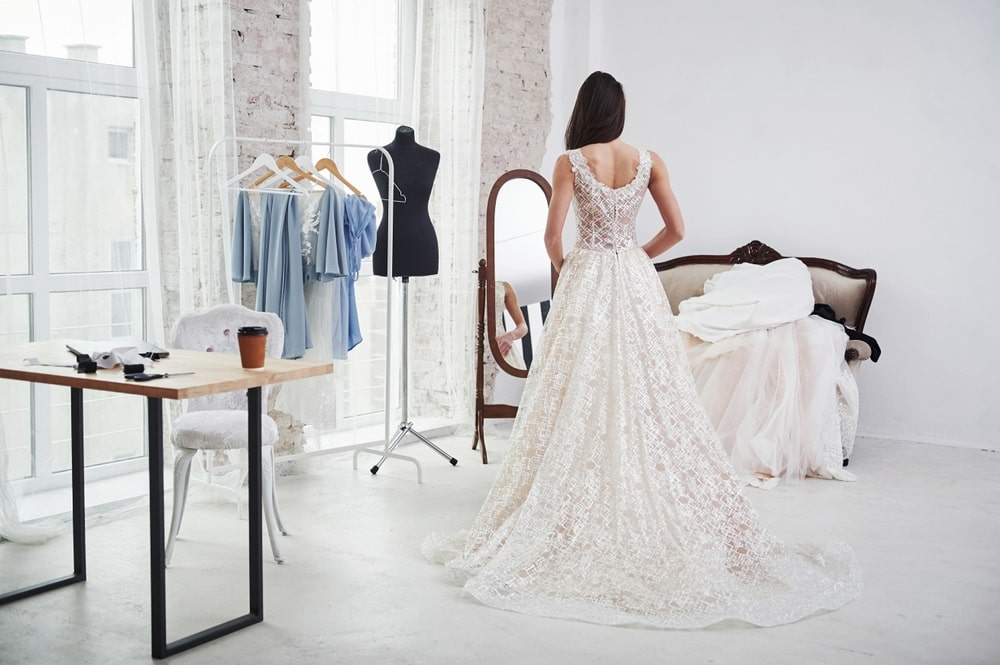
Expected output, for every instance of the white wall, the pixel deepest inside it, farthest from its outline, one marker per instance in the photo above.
(867, 131)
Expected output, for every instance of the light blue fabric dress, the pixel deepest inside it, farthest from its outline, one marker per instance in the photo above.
(244, 265)
(280, 276)
(330, 257)
(360, 227)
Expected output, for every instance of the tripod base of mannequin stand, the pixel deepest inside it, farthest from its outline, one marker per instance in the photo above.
(404, 429)
(405, 426)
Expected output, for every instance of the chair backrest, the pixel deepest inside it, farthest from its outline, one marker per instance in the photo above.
(215, 331)
(847, 290)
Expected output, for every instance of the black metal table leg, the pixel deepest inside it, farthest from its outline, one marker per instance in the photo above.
(79, 509)
(157, 561)
(256, 554)
(162, 649)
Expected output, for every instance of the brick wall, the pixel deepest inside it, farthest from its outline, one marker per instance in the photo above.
(517, 110)
(269, 95)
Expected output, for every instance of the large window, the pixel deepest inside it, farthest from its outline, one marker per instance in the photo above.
(361, 64)
(72, 241)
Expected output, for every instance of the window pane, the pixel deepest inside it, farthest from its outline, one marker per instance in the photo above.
(93, 183)
(355, 46)
(97, 315)
(92, 30)
(13, 180)
(113, 428)
(114, 423)
(15, 396)
(320, 131)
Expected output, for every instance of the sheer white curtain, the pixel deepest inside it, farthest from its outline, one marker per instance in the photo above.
(195, 105)
(449, 100)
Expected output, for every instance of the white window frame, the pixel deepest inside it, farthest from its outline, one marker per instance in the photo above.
(39, 75)
(340, 106)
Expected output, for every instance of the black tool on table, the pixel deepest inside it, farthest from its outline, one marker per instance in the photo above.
(143, 376)
(84, 363)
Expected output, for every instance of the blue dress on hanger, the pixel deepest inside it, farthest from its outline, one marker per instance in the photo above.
(360, 228)
(351, 219)
(280, 278)
(345, 230)
(279, 272)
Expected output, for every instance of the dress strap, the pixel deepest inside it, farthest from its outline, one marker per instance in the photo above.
(576, 160)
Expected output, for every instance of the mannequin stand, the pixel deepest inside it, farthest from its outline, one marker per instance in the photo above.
(405, 425)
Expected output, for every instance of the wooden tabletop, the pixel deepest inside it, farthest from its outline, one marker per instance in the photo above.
(213, 372)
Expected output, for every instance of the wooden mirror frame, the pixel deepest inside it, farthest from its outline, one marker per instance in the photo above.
(486, 318)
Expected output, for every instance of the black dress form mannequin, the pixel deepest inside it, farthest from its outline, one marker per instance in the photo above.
(415, 248)
(414, 245)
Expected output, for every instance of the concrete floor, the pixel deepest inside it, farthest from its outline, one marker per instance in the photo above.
(923, 519)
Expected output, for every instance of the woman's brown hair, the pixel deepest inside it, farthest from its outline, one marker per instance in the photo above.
(599, 113)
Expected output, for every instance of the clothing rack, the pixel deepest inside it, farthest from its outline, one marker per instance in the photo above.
(234, 142)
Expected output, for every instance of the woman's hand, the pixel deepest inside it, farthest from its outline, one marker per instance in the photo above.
(504, 341)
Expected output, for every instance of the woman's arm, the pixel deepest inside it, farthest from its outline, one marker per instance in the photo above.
(506, 340)
(673, 223)
(562, 195)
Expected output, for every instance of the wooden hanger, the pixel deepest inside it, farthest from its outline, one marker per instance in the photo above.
(263, 160)
(287, 162)
(305, 163)
(331, 166)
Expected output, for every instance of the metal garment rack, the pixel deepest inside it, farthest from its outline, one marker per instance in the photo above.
(389, 440)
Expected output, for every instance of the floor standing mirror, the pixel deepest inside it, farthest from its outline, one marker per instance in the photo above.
(515, 277)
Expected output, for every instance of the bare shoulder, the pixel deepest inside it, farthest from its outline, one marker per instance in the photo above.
(563, 167)
(658, 166)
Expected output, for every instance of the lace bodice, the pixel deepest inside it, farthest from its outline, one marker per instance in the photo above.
(605, 216)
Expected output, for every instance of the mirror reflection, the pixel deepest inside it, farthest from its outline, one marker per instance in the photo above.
(512, 327)
(521, 270)
(515, 282)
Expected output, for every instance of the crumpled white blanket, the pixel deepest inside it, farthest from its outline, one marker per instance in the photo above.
(748, 297)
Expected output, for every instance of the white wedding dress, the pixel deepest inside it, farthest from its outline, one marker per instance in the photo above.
(773, 379)
(615, 503)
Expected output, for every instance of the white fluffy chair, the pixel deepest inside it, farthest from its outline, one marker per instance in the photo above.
(219, 422)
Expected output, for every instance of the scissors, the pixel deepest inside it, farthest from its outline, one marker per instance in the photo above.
(143, 376)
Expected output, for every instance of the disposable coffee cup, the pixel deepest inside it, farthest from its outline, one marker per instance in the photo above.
(252, 340)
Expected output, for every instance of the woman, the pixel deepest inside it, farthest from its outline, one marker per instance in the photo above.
(616, 503)
(506, 301)
(509, 391)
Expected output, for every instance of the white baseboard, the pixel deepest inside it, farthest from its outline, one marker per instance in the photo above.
(934, 441)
